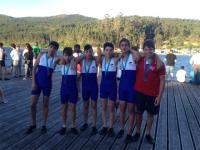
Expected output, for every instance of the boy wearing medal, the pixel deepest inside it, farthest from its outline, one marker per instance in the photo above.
(68, 90)
(149, 88)
(108, 86)
(42, 81)
(127, 99)
(89, 87)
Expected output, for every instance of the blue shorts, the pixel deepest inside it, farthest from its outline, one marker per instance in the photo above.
(69, 96)
(45, 90)
(90, 92)
(69, 91)
(108, 92)
(128, 96)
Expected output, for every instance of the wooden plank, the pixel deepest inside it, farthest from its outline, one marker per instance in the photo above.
(85, 136)
(176, 128)
(186, 140)
(137, 145)
(70, 139)
(57, 138)
(173, 129)
(118, 143)
(22, 117)
(144, 144)
(161, 133)
(19, 132)
(107, 142)
(191, 116)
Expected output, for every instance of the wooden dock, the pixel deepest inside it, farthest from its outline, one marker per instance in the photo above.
(177, 127)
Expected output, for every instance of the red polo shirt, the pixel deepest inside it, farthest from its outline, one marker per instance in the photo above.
(151, 85)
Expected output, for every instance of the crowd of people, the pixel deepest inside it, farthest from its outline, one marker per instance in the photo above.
(134, 80)
(19, 59)
(181, 74)
(135, 92)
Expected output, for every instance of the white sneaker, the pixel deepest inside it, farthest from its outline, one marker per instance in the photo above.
(24, 78)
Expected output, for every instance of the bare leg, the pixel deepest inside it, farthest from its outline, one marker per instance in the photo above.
(34, 100)
(85, 111)
(45, 109)
(64, 113)
(94, 113)
(122, 114)
(104, 111)
(73, 111)
(138, 122)
(112, 113)
(149, 123)
(131, 115)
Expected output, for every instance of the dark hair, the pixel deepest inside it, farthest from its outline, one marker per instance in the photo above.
(149, 43)
(29, 47)
(1, 44)
(134, 48)
(87, 46)
(13, 45)
(124, 40)
(68, 51)
(108, 44)
(54, 44)
(77, 46)
(182, 67)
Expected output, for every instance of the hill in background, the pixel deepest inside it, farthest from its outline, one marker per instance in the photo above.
(71, 29)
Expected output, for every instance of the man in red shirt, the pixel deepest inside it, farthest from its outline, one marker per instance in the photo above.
(149, 86)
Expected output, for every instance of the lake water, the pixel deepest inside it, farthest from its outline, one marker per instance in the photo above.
(181, 61)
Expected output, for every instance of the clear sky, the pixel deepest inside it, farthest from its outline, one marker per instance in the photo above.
(187, 9)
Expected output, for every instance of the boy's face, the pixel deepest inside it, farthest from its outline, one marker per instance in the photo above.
(89, 53)
(124, 46)
(52, 50)
(76, 49)
(148, 52)
(67, 57)
(108, 51)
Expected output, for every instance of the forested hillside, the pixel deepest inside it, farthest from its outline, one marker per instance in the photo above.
(71, 29)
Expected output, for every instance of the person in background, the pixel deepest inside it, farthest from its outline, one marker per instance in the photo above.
(149, 87)
(135, 48)
(77, 53)
(170, 63)
(2, 98)
(28, 61)
(195, 62)
(181, 74)
(20, 61)
(36, 51)
(2, 62)
(15, 60)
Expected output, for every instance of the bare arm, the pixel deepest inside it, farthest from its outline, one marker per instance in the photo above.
(73, 63)
(161, 89)
(79, 58)
(136, 55)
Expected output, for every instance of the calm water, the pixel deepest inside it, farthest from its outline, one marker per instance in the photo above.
(181, 61)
